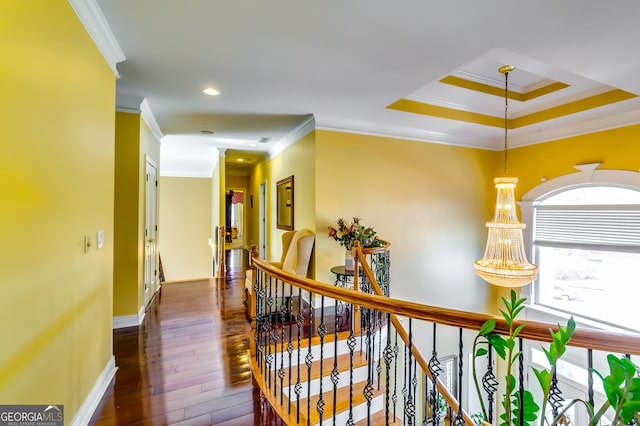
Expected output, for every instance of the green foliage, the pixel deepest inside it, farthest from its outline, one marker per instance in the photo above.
(530, 409)
(622, 387)
(505, 349)
(559, 341)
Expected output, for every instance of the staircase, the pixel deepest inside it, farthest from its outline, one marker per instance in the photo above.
(326, 355)
(326, 380)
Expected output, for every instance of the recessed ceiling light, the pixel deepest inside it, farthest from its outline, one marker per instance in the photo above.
(211, 91)
(253, 144)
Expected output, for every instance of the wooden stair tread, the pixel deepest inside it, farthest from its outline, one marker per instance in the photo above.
(359, 359)
(379, 418)
(315, 340)
(342, 400)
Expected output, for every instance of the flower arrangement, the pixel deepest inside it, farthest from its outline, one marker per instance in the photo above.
(348, 233)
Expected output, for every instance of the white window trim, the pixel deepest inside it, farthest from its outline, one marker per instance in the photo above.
(587, 174)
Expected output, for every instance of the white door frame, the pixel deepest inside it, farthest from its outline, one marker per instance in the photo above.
(262, 241)
(151, 283)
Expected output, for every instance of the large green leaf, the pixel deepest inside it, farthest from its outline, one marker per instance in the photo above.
(488, 326)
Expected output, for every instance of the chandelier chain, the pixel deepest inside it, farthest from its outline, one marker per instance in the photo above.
(506, 109)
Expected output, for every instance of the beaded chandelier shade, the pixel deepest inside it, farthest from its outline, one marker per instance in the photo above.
(505, 262)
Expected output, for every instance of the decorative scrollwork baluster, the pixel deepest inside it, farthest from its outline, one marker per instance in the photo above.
(335, 373)
(368, 389)
(308, 359)
(409, 406)
(290, 346)
(490, 384)
(284, 305)
(298, 386)
(459, 417)
(435, 369)
(388, 359)
(555, 395)
(396, 351)
(322, 331)
(351, 343)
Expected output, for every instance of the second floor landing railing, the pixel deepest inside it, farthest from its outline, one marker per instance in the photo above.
(327, 355)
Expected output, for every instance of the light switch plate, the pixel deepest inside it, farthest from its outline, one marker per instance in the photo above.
(100, 239)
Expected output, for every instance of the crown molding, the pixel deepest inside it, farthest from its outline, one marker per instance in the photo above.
(371, 129)
(96, 25)
(304, 128)
(148, 117)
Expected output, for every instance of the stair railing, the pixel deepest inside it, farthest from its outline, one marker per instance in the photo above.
(305, 330)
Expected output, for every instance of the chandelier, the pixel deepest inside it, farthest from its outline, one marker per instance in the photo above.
(505, 262)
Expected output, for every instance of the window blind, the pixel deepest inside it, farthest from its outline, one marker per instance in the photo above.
(610, 225)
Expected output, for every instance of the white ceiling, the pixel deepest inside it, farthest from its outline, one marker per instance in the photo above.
(283, 66)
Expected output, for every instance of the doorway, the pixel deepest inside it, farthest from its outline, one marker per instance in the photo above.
(151, 282)
(235, 218)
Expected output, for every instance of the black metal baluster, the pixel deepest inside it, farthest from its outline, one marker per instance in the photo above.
(590, 376)
(257, 291)
(409, 407)
(322, 331)
(459, 418)
(351, 343)
(290, 343)
(555, 395)
(335, 373)
(435, 369)
(405, 391)
(268, 333)
(309, 359)
(379, 367)
(388, 358)
(368, 389)
(426, 400)
(414, 382)
(298, 386)
(490, 384)
(396, 351)
(283, 314)
(274, 315)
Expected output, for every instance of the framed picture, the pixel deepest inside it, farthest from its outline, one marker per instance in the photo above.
(284, 203)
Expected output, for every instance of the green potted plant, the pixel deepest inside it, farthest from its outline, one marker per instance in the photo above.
(621, 385)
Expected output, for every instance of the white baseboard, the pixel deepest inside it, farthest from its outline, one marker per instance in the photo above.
(129, 320)
(91, 402)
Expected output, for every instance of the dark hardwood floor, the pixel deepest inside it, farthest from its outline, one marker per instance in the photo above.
(187, 364)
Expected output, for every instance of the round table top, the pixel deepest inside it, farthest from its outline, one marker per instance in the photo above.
(341, 270)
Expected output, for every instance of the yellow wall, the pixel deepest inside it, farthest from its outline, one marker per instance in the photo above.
(127, 209)
(298, 160)
(56, 186)
(615, 149)
(134, 142)
(430, 201)
(185, 227)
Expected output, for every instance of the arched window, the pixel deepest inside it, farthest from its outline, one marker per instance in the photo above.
(585, 238)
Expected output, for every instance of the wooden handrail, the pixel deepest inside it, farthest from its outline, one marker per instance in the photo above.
(538, 331)
(451, 400)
